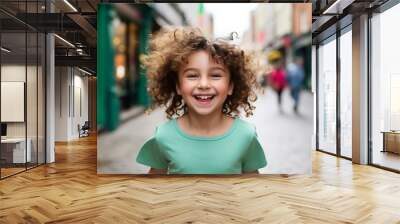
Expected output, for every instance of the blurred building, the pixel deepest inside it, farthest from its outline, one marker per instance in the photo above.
(247, 40)
(258, 28)
(168, 14)
(124, 32)
(282, 27)
(301, 37)
(270, 26)
(197, 16)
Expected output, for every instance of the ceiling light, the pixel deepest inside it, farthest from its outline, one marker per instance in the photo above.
(84, 71)
(70, 5)
(79, 51)
(5, 49)
(337, 7)
(64, 40)
(331, 7)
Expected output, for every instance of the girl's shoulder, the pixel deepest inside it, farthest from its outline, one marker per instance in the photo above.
(166, 129)
(245, 127)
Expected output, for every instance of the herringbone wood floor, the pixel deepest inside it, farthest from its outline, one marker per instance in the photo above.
(70, 191)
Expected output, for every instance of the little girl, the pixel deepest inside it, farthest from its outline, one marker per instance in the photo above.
(202, 84)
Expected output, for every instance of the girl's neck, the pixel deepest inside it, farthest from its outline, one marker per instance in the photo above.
(202, 125)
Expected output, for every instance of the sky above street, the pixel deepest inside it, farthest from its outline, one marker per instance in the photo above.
(230, 17)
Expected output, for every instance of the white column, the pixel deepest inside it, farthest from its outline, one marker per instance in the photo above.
(360, 90)
(50, 93)
(314, 92)
(50, 100)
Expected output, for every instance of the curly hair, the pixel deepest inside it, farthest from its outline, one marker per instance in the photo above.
(170, 49)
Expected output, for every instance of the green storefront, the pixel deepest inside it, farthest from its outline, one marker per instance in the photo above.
(121, 80)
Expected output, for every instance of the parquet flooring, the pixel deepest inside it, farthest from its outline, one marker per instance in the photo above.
(9, 171)
(70, 191)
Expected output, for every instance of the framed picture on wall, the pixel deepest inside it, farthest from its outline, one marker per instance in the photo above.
(12, 101)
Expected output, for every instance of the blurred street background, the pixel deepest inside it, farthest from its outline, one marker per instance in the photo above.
(279, 33)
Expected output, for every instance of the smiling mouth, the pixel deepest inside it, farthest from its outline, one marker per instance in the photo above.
(204, 99)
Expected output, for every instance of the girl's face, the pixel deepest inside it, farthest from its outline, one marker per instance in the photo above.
(204, 84)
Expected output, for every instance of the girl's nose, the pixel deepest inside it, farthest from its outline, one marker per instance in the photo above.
(203, 83)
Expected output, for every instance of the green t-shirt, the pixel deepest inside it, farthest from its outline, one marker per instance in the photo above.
(234, 152)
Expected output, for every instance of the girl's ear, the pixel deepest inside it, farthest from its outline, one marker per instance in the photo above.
(178, 91)
(230, 90)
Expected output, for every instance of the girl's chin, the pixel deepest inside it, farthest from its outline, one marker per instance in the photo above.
(203, 110)
(204, 113)
(205, 107)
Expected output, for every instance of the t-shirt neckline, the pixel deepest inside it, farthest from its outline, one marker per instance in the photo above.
(206, 138)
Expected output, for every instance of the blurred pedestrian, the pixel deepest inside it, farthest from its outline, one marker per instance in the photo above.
(295, 79)
(277, 77)
(265, 76)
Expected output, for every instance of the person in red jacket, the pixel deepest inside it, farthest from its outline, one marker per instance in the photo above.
(277, 77)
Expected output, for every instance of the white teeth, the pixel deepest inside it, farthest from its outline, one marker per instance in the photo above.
(204, 97)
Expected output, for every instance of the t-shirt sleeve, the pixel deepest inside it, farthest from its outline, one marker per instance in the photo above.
(254, 158)
(151, 155)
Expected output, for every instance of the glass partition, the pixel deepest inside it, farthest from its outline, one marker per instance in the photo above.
(41, 109)
(13, 105)
(346, 93)
(327, 96)
(22, 77)
(385, 89)
(31, 99)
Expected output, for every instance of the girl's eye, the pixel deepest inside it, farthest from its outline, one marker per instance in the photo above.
(216, 76)
(191, 76)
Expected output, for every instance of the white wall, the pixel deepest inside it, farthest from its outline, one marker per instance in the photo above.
(12, 73)
(61, 103)
(71, 87)
(12, 101)
(33, 126)
(80, 94)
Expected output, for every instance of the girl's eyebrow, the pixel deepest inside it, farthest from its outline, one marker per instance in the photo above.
(189, 69)
(212, 68)
(218, 67)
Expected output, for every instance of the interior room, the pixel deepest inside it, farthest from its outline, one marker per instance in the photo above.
(22, 100)
(50, 88)
(385, 90)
